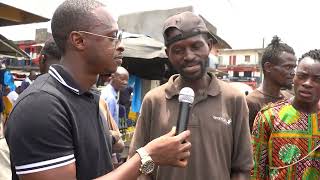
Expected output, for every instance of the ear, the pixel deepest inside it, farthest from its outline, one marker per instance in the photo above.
(267, 67)
(167, 53)
(77, 40)
(210, 44)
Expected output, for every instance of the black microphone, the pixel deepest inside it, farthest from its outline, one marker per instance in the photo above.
(186, 97)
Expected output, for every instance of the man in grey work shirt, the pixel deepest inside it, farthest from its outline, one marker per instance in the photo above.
(218, 119)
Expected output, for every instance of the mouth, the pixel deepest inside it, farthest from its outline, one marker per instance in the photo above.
(192, 68)
(118, 60)
(305, 94)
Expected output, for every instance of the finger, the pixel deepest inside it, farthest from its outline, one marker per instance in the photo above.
(182, 163)
(171, 133)
(183, 155)
(185, 147)
(183, 136)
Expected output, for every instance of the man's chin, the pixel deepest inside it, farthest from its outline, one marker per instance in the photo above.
(288, 86)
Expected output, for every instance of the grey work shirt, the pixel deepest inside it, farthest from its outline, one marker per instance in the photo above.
(219, 128)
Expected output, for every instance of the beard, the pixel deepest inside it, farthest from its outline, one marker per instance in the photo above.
(287, 86)
(194, 76)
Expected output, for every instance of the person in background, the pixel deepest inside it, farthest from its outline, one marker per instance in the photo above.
(8, 80)
(285, 135)
(13, 95)
(218, 117)
(29, 80)
(49, 55)
(278, 63)
(67, 137)
(5, 172)
(110, 94)
(118, 82)
(125, 99)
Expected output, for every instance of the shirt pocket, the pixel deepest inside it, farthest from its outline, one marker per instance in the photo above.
(194, 121)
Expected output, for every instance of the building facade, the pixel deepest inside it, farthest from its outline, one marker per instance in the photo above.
(241, 65)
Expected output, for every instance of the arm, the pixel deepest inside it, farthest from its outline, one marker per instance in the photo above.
(253, 111)
(114, 130)
(260, 137)
(242, 151)
(165, 150)
(141, 134)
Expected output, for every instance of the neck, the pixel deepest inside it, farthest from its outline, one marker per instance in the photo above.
(77, 68)
(304, 106)
(198, 84)
(270, 88)
(114, 86)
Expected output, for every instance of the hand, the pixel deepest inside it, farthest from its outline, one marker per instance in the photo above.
(116, 135)
(169, 150)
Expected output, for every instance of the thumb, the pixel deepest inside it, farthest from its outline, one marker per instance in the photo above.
(171, 133)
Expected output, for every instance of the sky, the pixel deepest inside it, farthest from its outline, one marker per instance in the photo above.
(242, 23)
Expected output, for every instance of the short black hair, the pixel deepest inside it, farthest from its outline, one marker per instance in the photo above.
(72, 15)
(314, 54)
(50, 48)
(273, 51)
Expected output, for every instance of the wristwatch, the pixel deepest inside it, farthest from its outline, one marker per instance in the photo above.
(147, 164)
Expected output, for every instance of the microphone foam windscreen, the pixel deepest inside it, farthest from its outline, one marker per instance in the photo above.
(186, 94)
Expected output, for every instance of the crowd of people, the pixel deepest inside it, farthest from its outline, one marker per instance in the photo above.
(62, 127)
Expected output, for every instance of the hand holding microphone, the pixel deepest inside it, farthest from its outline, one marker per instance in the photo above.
(186, 98)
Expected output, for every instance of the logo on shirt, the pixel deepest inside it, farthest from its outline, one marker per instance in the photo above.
(226, 121)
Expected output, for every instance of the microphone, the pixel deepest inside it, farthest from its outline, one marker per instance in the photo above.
(186, 97)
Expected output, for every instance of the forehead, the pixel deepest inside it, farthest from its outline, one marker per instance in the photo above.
(104, 20)
(309, 65)
(287, 58)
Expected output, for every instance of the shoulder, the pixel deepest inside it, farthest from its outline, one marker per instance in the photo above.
(228, 91)
(286, 93)
(274, 105)
(157, 92)
(35, 103)
(253, 96)
(42, 96)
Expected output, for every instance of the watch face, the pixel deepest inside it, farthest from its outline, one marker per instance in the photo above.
(147, 167)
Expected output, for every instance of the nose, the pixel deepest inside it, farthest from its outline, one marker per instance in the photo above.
(308, 83)
(292, 72)
(120, 46)
(189, 55)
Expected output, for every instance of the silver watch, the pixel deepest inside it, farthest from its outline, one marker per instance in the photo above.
(147, 164)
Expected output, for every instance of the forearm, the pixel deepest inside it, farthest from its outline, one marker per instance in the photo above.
(127, 171)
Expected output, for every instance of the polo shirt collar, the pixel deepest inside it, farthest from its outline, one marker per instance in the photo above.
(62, 76)
(175, 84)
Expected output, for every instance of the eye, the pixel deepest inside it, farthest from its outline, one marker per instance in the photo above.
(197, 46)
(317, 80)
(301, 76)
(178, 50)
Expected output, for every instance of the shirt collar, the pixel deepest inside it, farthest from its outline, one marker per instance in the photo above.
(59, 73)
(175, 84)
(113, 90)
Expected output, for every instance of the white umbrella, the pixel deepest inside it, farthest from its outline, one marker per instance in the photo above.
(241, 87)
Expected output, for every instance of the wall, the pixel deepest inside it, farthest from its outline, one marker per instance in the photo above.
(224, 57)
